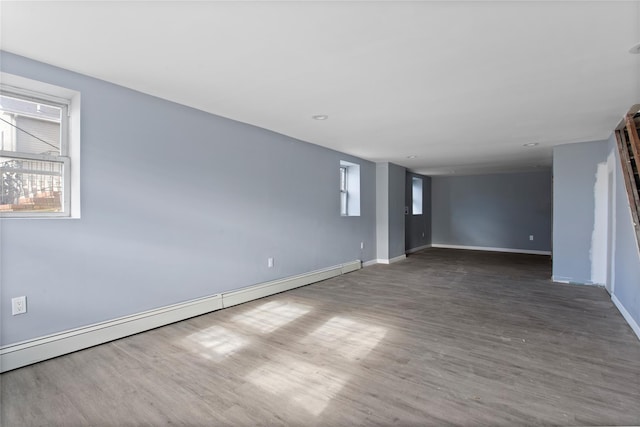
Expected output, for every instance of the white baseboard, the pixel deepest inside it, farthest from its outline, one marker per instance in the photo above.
(370, 263)
(419, 248)
(250, 293)
(392, 260)
(568, 280)
(25, 353)
(484, 248)
(627, 316)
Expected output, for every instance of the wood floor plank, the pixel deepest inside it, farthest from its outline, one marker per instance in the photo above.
(446, 337)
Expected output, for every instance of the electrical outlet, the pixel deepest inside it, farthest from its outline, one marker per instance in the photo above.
(18, 305)
(530, 236)
(270, 262)
(361, 245)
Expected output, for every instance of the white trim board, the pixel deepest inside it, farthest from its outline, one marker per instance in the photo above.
(419, 248)
(484, 248)
(392, 260)
(627, 316)
(569, 281)
(27, 352)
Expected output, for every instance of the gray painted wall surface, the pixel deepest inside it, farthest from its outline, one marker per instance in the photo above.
(382, 210)
(495, 211)
(176, 204)
(417, 228)
(574, 178)
(627, 256)
(390, 210)
(397, 176)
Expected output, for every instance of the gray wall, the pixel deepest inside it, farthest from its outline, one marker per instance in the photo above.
(574, 179)
(397, 176)
(417, 228)
(390, 179)
(176, 204)
(627, 256)
(494, 211)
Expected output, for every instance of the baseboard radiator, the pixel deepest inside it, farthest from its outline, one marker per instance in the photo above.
(28, 352)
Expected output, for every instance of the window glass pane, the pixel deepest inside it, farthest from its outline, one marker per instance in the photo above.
(30, 185)
(28, 126)
(416, 193)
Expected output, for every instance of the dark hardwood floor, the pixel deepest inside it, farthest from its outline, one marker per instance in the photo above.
(445, 337)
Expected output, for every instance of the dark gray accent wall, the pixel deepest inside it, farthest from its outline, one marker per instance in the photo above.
(390, 180)
(417, 228)
(397, 176)
(627, 256)
(574, 178)
(177, 204)
(493, 211)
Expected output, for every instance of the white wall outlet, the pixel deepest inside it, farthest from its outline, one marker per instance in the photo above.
(423, 234)
(530, 236)
(18, 305)
(270, 262)
(361, 245)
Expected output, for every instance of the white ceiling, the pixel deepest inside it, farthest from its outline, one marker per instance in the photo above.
(460, 85)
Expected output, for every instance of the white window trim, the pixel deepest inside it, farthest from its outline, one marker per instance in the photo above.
(71, 158)
(344, 192)
(353, 188)
(414, 180)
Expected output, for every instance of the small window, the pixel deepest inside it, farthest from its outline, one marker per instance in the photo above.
(349, 189)
(416, 195)
(344, 195)
(35, 165)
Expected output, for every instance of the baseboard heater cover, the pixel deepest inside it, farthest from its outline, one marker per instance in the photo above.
(229, 299)
(28, 352)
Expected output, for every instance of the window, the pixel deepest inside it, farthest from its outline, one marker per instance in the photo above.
(35, 155)
(349, 189)
(344, 195)
(416, 195)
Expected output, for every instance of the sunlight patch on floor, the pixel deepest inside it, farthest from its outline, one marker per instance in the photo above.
(215, 343)
(272, 315)
(350, 338)
(309, 386)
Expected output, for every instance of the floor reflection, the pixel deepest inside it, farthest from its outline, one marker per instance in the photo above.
(215, 343)
(349, 338)
(272, 315)
(309, 386)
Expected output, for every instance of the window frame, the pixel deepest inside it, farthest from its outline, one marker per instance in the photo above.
(351, 191)
(68, 157)
(417, 189)
(344, 191)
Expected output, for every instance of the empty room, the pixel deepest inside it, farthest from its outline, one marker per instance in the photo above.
(319, 213)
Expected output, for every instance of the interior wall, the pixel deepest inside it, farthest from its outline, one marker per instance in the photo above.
(417, 228)
(493, 211)
(177, 204)
(397, 176)
(577, 169)
(390, 188)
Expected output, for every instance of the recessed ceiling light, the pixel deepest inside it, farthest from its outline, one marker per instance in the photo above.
(635, 49)
(413, 156)
(531, 144)
(320, 117)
